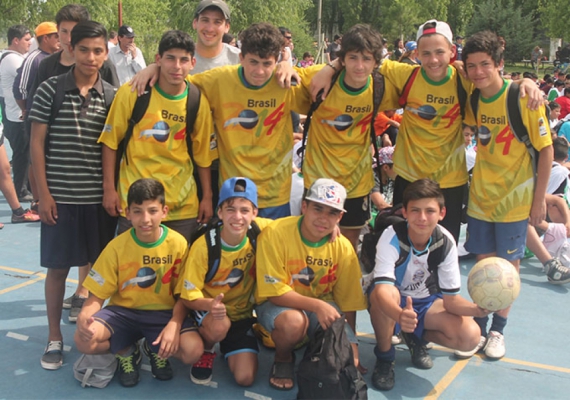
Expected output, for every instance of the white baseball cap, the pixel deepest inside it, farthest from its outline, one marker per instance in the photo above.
(435, 26)
(327, 192)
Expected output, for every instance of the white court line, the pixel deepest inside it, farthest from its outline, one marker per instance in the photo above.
(212, 384)
(255, 396)
(17, 336)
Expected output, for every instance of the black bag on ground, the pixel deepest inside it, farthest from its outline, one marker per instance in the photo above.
(327, 369)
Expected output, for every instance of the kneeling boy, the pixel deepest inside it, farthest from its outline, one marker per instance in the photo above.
(137, 271)
(420, 291)
(222, 299)
(304, 279)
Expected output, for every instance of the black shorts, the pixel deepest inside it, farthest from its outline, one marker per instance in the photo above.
(357, 212)
(78, 237)
(240, 338)
(128, 325)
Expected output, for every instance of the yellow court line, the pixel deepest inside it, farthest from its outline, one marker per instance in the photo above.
(447, 379)
(40, 276)
(21, 285)
(507, 360)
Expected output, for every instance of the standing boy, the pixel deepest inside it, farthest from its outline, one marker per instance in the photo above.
(505, 190)
(138, 272)
(158, 146)
(304, 280)
(222, 301)
(67, 165)
(422, 292)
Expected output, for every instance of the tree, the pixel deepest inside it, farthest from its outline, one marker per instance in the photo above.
(506, 19)
(554, 16)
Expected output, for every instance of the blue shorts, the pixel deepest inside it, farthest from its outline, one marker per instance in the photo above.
(506, 239)
(275, 212)
(128, 325)
(267, 312)
(421, 307)
(78, 237)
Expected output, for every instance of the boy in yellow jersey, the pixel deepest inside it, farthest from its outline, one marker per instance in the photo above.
(252, 117)
(158, 146)
(504, 193)
(304, 280)
(430, 140)
(223, 304)
(340, 127)
(138, 273)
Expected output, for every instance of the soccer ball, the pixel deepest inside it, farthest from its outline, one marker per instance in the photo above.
(493, 284)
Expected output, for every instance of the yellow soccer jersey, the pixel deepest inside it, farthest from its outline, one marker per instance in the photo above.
(502, 188)
(338, 144)
(327, 271)
(158, 147)
(138, 275)
(430, 140)
(235, 277)
(254, 130)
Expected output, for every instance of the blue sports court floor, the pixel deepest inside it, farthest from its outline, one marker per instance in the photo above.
(536, 365)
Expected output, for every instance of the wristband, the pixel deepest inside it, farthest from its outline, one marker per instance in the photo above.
(332, 66)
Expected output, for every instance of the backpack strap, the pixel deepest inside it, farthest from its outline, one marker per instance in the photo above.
(312, 109)
(139, 110)
(58, 97)
(517, 126)
(401, 229)
(474, 100)
(461, 95)
(378, 94)
(109, 92)
(192, 107)
(407, 87)
(214, 244)
(252, 234)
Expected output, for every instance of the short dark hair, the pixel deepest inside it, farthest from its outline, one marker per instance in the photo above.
(87, 30)
(227, 38)
(16, 32)
(113, 34)
(560, 146)
(176, 39)
(72, 12)
(284, 30)
(483, 42)
(566, 90)
(558, 83)
(549, 80)
(262, 39)
(553, 105)
(423, 189)
(361, 38)
(145, 189)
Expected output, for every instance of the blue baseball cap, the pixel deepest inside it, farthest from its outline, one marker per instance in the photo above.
(411, 46)
(228, 190)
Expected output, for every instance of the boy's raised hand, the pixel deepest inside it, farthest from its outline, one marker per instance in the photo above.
(408, 317)
(218, 309)
(84, 329)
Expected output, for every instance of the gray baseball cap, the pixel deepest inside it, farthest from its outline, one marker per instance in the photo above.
(219, 4)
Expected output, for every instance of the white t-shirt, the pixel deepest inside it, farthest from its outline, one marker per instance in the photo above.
(558, 175)
(8, 71)
(228, 56)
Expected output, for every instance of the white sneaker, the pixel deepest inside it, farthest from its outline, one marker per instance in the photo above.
(495, 347)
(468, 354)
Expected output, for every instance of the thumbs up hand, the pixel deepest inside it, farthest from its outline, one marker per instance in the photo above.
(408, 317)
(218, 309)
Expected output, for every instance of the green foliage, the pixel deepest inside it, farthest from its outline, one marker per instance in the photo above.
(506, 19)
(554, 16)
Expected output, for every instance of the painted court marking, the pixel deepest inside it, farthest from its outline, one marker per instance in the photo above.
(255, 396)
(39, 276)
(17, 336)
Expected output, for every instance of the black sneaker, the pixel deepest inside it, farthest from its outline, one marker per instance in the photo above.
(420, 356)
(160, 367)
(201, 372)
(76, 306)
(128, 368)
(383, 377)
(557, 273)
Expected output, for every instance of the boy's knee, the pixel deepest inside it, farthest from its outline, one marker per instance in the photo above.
(469, 336)
(215, 331)
(244, 377)
(292, 323)
(191, 348)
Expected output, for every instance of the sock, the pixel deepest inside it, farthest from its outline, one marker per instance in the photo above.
(389, 355)
(482, 322)
(18, 211)
(498, 324)
(210, 350)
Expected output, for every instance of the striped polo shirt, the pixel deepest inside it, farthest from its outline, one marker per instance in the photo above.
(73, 156)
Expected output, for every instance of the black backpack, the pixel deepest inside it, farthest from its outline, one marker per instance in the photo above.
(212, 232)
(327, 370)
(439, 247)
(141, 105)
(378, 94)
(514, 119)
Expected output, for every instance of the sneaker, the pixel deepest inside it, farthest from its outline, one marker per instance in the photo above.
(53, 355)
(397, 339)
(468, 354)
(128, 368)
(383, 377)
(557, 273)
(201, 372)
(160, 367)
(25, 197)
(420, 356)
(27, 216)
(35, 207)
(76, 306)
(495, 347)
(67, 302)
